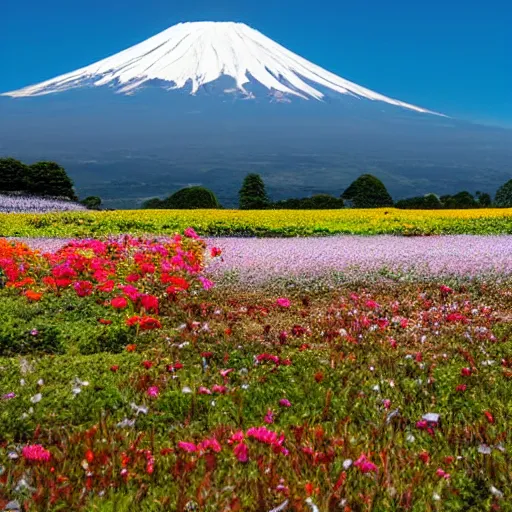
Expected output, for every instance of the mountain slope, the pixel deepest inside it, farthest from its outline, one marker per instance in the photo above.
(202, 52)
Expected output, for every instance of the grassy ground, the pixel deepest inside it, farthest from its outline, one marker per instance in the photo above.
(340, 375)
(260, 223)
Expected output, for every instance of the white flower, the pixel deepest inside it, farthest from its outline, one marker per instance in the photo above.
(139, 408)
(431, 416)
(436, 497)
(22, 382)
(312, 506)
(410, 438)
(40, 382)
(36, 398)
(186, 389)
(376, 388)
(496, 492)
(485, 449)
(126, 423)
(347, 463)
(76, 390)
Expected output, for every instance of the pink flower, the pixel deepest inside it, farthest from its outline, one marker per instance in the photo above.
(225, 373)
(207, 284)
(371, 304)
(365, 465)
(236, 437)
(283, 302)
(443, 474)
(187, 447)
(119, 302)
(204, 391)
(285, 403)
(35, 453)
(386, 403)
(190, 233)
(219, 389)
(269, 417)
(241, 452)
(83, 288)
(211, 444)
(153, 391)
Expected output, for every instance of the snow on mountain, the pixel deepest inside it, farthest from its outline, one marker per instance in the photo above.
(200, 53)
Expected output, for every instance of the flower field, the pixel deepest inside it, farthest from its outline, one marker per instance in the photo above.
(130, 381)
(37, 205)
(282, 223)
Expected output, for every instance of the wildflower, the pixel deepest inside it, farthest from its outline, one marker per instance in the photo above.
(445, 290)
(119, 302)
(269, 417)
(210, 444)
(207, 284)
(89, 456)
(215, 251)
(187, 447)
(241, 452)
(104, 321)
(496, 492)
(9, 396)
(114, 368)
(285, 403)
(465, 372)
(425, 457)
(461, 388)
(219, 389)
(190, 233)
(443, 474)
(83, 288)
(149, 303)
(484, 449)
(131, 347)
(147, 364)
(364, 465)
(283, 302)
(489, 416)
(153, 391)
(33, 296)
(36, 398)
(386, 403)
(35, 453)
(203, 391)
(319, 377)
(139, 408)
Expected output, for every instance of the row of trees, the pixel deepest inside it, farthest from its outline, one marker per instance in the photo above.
(43, 179)
(367, 191)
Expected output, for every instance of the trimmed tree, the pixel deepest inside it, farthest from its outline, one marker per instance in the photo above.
(252, 195)
(49, 179)
(367, 191)
(13, 175)
(92, 202)
(192, 198)
(503, 197)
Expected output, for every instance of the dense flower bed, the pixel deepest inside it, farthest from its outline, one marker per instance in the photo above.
(26, 204)
(388, 397)
(280, 223)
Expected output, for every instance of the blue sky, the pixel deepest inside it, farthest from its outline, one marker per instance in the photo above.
(452, 56)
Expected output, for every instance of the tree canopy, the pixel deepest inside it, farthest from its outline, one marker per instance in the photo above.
(503, 197)
(367, 191)
(253, 195)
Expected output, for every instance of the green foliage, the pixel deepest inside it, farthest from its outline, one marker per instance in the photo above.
(504, 195)
(316, 202)
(191, 198)
(153, 204)
(13, 174)
(427, 202)
(462, 200)
(252, 195)
(484, 199)
(49, 179)
(92, 202)
(367, 191)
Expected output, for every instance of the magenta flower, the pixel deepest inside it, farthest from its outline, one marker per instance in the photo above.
(364, 465)
(283, 302)
(35, 453)
(241, 452)
(187, 447)
(269, 417)
(443, 474)
(204, 391)
(285, 403)
(153, 391)
(190, 233)
(9, 396)
(207, 284)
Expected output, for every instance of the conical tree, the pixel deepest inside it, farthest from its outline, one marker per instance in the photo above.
(504, 196)
(367, 191)
(13, 175)
(252, 195)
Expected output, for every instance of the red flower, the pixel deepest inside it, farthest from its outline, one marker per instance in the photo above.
(465, 372)
(461, 388)
(445, 290)
(83, 288)
(147, 364)
(132, 278)
(119, 302)
(33, 296)
(89, 456)
(425, 457)
(148, 268)
(489, 416)
(133, 320)
(148, 323)
(106, 287)
(131, 348)
(104, 321)
(319, 377)
(149, 303)
(114, 368)
(215, 251)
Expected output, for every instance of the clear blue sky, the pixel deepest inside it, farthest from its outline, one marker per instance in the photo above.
(452, 56)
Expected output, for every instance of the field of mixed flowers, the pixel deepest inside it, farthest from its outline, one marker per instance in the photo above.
(278, 223)
(133, 377)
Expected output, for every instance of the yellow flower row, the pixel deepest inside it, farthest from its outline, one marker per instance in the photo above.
(261, 223)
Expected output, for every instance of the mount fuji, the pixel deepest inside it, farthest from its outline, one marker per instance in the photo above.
(206, 102)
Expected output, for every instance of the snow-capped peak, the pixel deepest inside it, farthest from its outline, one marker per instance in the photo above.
(201, 52)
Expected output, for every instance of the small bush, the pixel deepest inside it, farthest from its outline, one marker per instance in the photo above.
(192, 198)
(316, 202)
(367, 191)
(427, 202)
(504, 195)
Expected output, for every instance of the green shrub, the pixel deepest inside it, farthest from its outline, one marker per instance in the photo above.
(92, 202)
(13, 174)
(316, 202)
(49, 179)
(252, 195)
(191, 198)
(504, 195)
(427, 202)
(153, 204)
(461, 200)
(18, 337)
(367, 191)
(107, 339)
